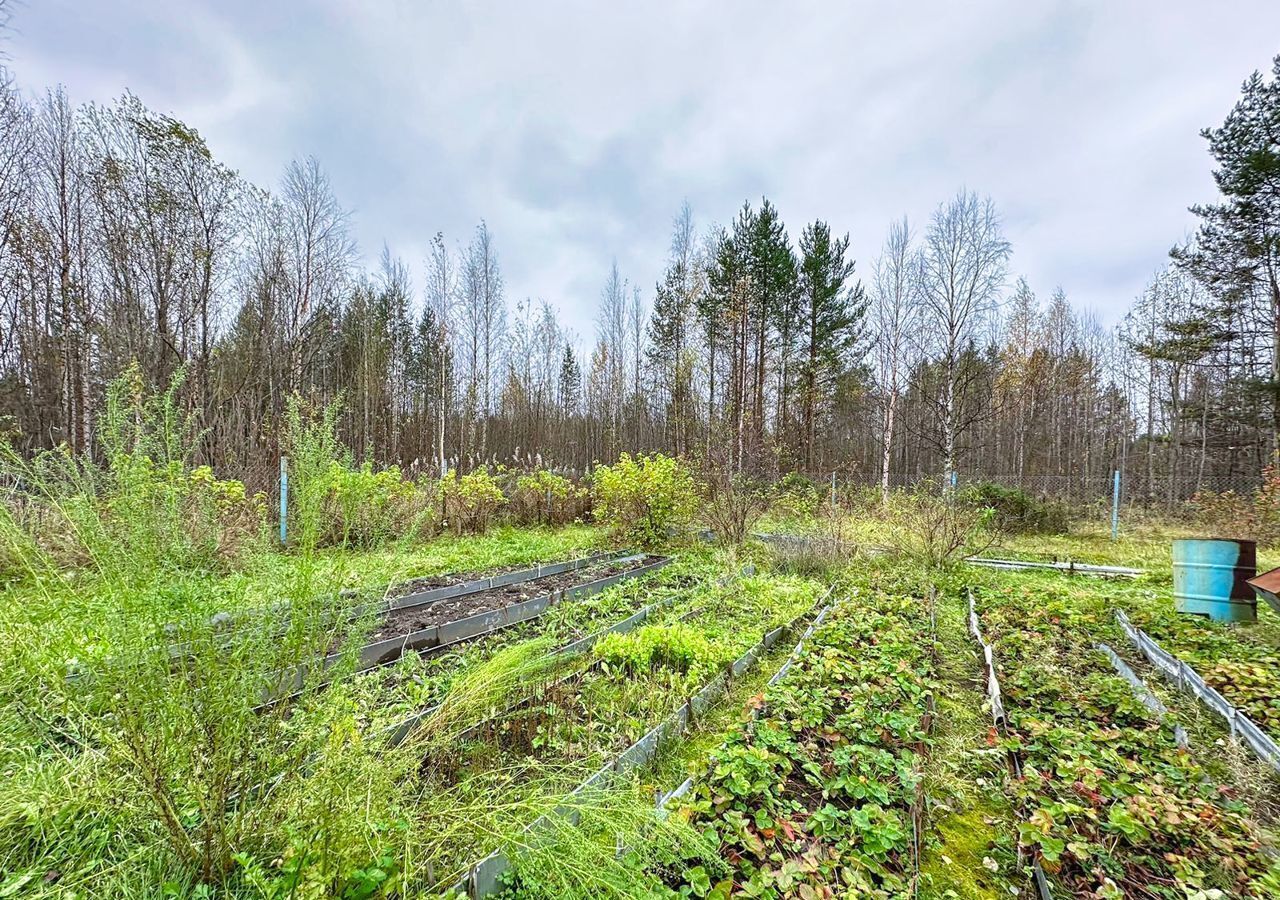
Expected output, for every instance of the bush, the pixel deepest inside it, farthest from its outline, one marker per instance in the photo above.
(310, 441)
(335, 503)
(1015, 510)
(219, 511)
(144, 508)
(470, 501)
(734, 505)
(366, 507)
(545, 498)
(797, 496)
(642, 499)
(1253, 515)
(937, 529)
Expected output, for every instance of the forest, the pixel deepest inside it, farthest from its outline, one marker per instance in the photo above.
(765, 346)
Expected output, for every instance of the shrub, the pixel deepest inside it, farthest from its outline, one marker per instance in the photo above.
(368, 507)
(543, 497)
(797, 496)
(220, 511)
(335, 503)
(470, 501)
(142, 509)
(938, 529)
(310, 440)
(1253, 515)
(733, 506)
(642, 499)
(1015, 510)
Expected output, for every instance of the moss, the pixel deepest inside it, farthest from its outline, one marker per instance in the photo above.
(952, 865)
(970, 827)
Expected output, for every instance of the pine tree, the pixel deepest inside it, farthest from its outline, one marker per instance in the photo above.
(831, 314)
(730, 304)
(773, 315)
(570, 386)
(1236, 253)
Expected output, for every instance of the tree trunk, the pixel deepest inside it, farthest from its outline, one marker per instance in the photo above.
(890, 409)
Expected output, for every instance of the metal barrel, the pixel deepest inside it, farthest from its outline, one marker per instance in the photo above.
(1211, 578)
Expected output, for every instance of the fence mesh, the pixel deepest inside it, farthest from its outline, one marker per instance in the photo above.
(1140, 489)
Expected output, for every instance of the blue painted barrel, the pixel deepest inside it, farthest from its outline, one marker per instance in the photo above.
(1210, 578)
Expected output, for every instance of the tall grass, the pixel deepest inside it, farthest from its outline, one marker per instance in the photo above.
(134, 740)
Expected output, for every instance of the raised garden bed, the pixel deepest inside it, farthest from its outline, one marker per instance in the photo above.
(818, 795)
(1240, 661)
(405, 618)
(1111, 804)
(490, 875)
(435, 636)
(417, 682)
(612, 698)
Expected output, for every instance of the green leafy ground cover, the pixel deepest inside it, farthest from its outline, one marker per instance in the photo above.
(1112, 807)
(156, 782)
(967, 837)
(572, 723)
(815, 798)
(1241, 660)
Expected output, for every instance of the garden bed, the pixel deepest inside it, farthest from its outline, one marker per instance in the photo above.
(434, 588)
(1112, 805)
(819, 795)
(547, 741)
(404, 619)
(455, 631)
(417, 682)
(1239, 660)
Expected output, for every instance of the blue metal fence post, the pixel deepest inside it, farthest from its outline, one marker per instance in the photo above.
(1115, 506)
(284, 500)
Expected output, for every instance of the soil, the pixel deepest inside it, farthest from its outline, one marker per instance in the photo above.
(419, 585)
(416, 618)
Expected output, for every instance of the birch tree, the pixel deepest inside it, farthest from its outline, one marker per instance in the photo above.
(484, 317)
(441, 302)
(319, 252)
(964, 261)
(895, 314)
(609, 361)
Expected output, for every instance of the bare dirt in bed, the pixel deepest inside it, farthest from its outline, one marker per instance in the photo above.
(431, 582)
(415, 618)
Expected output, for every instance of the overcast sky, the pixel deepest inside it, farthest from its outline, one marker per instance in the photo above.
(577, 129)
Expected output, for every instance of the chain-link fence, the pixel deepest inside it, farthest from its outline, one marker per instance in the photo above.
(1078, 489)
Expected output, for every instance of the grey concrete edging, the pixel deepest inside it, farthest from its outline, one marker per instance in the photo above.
(1189, 680)
(484, 878)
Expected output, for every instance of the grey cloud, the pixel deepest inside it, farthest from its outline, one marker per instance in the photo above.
(576, 129)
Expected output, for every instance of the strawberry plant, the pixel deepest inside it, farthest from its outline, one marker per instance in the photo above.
(1241, 660)
(814, 798)
(1113, 807)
